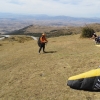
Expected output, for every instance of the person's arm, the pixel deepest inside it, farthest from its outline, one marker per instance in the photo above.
(46, 40)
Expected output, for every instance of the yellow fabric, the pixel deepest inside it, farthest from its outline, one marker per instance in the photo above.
(97, 45)
(88, 74)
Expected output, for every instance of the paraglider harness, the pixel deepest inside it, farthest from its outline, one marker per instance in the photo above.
(39, 42)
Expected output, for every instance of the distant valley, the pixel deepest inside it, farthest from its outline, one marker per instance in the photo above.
(13, 22)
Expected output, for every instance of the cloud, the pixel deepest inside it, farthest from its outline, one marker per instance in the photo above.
(75, 8)
(18, 2)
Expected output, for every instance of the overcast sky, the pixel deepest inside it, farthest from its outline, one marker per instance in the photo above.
(74, 8)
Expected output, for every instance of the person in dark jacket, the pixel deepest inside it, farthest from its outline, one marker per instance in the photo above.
(42, 42)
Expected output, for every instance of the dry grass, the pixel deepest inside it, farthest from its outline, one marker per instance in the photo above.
(27, 75)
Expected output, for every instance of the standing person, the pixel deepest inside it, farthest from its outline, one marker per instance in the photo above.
(42, 41)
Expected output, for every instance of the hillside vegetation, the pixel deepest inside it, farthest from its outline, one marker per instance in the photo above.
(27, 75)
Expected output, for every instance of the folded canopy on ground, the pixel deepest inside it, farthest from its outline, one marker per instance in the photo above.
(86, 81)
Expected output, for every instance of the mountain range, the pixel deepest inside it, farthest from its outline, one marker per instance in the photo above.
(47, 17)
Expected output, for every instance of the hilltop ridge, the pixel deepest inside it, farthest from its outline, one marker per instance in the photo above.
(53, 31)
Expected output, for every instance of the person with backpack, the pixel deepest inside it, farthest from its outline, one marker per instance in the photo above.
(41, 42)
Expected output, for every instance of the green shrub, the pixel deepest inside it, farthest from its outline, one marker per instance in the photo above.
(87, 32)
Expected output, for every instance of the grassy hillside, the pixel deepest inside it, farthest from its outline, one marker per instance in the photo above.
(27, 75)
(54, 31)
(51, 31)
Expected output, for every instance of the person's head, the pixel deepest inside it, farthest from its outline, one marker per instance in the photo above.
(43, 34)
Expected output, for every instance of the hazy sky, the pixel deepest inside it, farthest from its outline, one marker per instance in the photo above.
(74, 8)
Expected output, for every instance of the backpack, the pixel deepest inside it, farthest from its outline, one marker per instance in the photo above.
(38, 42)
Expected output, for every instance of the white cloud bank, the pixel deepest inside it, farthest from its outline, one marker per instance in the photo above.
(74, 8)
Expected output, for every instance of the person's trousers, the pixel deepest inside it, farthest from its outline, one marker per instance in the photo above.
(42, 45)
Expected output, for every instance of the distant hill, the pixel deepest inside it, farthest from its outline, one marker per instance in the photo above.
(51, 31)
(46, 17)
(11, 22)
